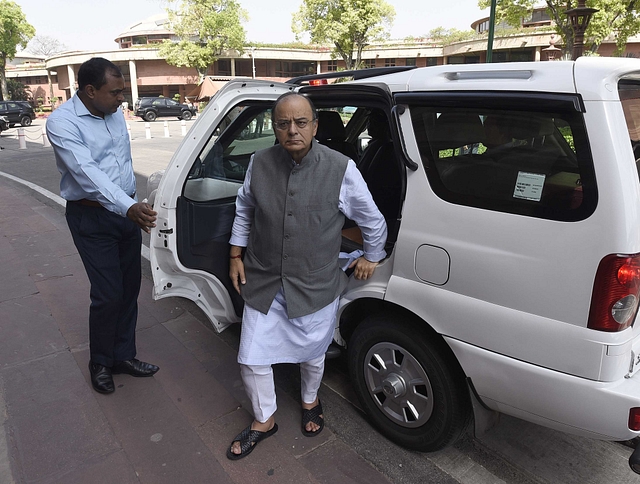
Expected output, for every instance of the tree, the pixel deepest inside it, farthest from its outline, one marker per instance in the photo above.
(45, 45)
(14, 31)
(618, 17)
(205, 30)
(349, 25)
(17, 91)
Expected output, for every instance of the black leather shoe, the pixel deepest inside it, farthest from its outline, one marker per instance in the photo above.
(101, 378)
(134, 368)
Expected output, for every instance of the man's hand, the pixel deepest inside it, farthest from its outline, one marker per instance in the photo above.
(142, 215)
(236, 273)
(363, 268)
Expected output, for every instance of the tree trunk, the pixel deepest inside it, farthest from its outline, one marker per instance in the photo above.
(201, 75)
(3, 79)
(359, 56)
(346, 58)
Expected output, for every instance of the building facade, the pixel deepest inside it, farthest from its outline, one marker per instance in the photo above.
(148, 74)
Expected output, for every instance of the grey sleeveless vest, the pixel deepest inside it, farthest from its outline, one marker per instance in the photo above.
(296, 233)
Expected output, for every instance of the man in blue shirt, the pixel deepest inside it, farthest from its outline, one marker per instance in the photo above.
(93, 154)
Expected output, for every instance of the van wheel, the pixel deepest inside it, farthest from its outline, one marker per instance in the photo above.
(186, 115)
(411, 388)
(25, 121)
(150, 116)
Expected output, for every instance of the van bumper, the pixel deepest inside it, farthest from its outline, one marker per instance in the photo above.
(557, 400)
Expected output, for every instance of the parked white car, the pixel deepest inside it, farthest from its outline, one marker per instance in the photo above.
(512, 197)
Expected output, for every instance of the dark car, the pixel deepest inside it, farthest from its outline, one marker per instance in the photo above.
(18, 112)
(150, 108)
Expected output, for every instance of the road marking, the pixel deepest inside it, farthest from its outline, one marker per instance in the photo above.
(56, 198)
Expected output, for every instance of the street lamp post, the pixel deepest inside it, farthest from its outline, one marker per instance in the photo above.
(492, 26)
(253, 61)
(580, 18)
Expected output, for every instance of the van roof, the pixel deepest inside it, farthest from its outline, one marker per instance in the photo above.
(592, 77)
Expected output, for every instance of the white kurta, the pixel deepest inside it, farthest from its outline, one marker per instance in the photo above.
(273, 337)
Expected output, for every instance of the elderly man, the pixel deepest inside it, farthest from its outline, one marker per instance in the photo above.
(284, 252)
(91, 145)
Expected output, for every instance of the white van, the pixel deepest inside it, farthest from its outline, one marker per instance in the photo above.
(512, 197)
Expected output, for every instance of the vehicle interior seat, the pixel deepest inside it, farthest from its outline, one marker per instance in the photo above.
(383, 175)
(380, 169)
(461, 133)
(378, 129)
(332, 133)
(455, 130)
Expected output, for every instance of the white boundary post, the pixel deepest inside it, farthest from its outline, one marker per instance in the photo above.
(45, 138)
(183, 124)
(21, 140)
(166, 130)
(147, 129)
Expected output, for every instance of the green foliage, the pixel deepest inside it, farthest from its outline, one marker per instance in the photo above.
(14, 31)
(206, 29)
(18, 91)
(618, 17)
(286, 45)
(347, 25)
(449, 36)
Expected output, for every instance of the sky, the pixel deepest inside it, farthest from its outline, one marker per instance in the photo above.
(85, 25)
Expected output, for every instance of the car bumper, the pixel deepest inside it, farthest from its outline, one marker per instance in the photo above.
(557, 400)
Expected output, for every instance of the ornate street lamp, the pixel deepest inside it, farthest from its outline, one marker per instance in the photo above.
(579, 17)
(552, 50)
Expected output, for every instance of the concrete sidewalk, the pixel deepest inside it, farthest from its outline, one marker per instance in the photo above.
(172, 428)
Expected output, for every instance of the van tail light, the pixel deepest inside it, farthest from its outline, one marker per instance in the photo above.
(616, 292)
(318, 82)
(634, 419)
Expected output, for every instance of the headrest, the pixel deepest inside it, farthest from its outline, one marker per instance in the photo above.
(526, 126)
(330, 126)
(378, 127)
(453, 130)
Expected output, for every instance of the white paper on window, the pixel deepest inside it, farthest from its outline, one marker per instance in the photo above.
(529, 186)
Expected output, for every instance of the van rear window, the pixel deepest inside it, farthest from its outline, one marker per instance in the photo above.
(629, 92)
(523, 162)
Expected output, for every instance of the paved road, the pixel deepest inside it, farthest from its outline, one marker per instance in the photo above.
(174, 332)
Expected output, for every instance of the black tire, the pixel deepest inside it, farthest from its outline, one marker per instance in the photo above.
(149, 116)
(25, 121)
(419, 397)
(186, 115)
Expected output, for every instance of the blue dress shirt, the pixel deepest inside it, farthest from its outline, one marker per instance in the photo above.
(93, 156)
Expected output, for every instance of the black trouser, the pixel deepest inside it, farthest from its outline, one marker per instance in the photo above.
(109, 246)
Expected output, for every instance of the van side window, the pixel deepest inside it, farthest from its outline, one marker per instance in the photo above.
(523, 162)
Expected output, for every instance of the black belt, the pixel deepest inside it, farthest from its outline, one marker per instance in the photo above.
(86, 203)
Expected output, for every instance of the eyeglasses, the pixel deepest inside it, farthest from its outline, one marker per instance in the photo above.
(284, 125)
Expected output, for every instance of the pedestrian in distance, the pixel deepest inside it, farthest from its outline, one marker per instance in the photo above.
(89, 137)
(285, 246)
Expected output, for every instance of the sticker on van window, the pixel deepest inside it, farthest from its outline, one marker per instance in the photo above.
(529, 186)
